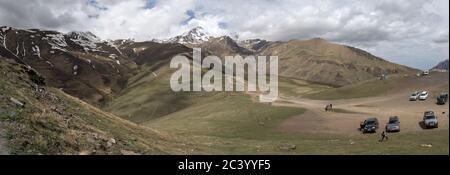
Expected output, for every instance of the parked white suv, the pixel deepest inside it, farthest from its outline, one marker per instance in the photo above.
(423, 95)
(414, 96)
(430, 120)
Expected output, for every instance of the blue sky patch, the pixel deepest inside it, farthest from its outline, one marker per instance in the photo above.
(96, 5)
(150, 4)
(191, 15)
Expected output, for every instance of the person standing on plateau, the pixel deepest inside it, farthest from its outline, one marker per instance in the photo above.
(384, 136)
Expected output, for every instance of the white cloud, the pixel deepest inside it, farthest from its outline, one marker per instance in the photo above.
(399, 30)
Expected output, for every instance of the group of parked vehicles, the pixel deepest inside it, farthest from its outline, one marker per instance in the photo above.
(371, 124)
(423, 95)
(418, 95)
(429, 120)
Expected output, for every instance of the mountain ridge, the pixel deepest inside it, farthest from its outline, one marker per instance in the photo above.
(441, 66)
(95, 70)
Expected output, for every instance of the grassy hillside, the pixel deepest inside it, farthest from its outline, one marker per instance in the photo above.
(291, 87)
(369, 88)
(328, 63)
(130, 80)
(231, 123)
(48, 121)
(377, 87)
(226, 115)
(212, 123)
(148, 96)
(236, 125)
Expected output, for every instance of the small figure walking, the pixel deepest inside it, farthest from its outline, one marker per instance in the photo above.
(328, 107)
(384, 136)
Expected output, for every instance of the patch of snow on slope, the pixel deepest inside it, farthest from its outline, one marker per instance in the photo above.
(23, 47)
(36, 51)
(3, 35)
(111, 43)
(113, 56)
(57, 41)
(4, 29)
(50, 63)
(157, 40)
(3, 40)
(87, 40)
(17, 48)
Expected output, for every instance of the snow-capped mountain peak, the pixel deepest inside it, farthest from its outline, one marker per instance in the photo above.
(86, 36)
(85, 39)
(196, 35)
(254, 44)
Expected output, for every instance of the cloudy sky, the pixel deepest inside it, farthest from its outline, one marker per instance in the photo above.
(411, 32)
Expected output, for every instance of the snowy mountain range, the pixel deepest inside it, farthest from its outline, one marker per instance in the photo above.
(196, 35)
(82, 62)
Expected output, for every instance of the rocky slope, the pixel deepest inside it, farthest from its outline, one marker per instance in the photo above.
(255, 45)
(223, 46)
(442, 66)
(79, 62)
(38, 119)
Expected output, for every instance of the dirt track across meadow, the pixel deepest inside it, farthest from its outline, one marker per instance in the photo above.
(353, 111)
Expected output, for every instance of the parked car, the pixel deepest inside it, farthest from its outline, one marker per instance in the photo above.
(423, 95)
(414, 96)
(393, 124)
(369, 126)
(430, 120)
(442, 99)
(426, 72)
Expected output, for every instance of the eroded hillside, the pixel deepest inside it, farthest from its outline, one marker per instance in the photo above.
(37, 119)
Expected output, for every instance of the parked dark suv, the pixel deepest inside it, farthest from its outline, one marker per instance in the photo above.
(369, 126)
(393, 125)
(442, 99)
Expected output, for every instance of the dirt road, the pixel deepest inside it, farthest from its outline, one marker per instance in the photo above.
(353, 111)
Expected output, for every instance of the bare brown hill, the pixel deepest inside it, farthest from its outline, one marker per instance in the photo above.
(320, 61)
